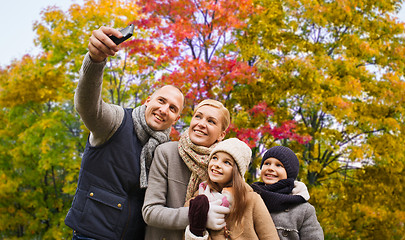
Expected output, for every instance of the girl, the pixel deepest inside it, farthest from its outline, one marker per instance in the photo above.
(176, 171)
(293, 216)
(228, 163)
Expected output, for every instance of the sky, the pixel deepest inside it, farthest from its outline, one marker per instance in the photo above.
(17, 18)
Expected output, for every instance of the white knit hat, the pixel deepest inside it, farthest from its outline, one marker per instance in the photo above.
(240, 152)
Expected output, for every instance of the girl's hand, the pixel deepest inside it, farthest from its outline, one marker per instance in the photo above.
(204, 189)
(197, 215)
(216, 215)
(227, 198)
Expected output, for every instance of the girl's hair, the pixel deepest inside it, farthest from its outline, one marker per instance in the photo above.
(226, 119)
(239, 192)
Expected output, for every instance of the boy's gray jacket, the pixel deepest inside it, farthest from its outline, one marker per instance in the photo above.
(298, 222)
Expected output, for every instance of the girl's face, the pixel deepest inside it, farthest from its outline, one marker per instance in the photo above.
(272, 171)
(220, 168)
(206, 126)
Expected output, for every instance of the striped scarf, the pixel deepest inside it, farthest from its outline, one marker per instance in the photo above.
(149, 139)
(196, 158)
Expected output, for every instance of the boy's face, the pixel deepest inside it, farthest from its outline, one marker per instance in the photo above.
(272, 171)
(220, 168)
(163, 108)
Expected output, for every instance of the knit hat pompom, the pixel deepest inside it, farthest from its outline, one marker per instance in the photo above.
(240, 152)
(287, 157)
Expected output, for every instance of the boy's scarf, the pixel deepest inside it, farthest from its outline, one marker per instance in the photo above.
(277, 196)
(149, 139)
(196, 158)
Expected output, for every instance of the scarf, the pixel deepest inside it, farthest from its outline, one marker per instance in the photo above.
(277, 196)
(196, 159)
(149, 139)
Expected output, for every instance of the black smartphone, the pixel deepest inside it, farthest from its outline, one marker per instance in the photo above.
(127, 32)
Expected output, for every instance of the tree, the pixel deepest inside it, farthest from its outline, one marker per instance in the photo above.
(192, 42)
(334, 67)
(64, 37)
(42, 136)
(38, 152)
(193, 45)
(367, 202)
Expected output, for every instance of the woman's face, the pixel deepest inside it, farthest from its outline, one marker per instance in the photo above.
(206, 126)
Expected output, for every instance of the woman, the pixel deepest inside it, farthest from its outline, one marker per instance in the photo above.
(177, 170)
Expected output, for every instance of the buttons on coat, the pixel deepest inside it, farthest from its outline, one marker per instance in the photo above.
(111, 204)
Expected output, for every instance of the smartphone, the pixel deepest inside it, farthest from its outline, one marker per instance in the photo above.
(127, 32)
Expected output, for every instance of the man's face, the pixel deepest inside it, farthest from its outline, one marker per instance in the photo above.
(163, 108)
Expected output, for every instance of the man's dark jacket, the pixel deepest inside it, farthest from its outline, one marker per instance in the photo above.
(108, 200)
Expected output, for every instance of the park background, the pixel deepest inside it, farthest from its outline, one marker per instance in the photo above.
(325, 78)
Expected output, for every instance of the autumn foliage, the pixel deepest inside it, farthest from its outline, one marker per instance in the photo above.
(324, 78)
(192, 42)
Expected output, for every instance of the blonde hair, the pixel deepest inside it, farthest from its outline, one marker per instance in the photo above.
(226, 118)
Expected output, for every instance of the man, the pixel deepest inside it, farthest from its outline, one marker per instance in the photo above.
(119, 150)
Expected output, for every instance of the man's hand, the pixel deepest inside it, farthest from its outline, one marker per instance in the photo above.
(101, 46)
(216, 215)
